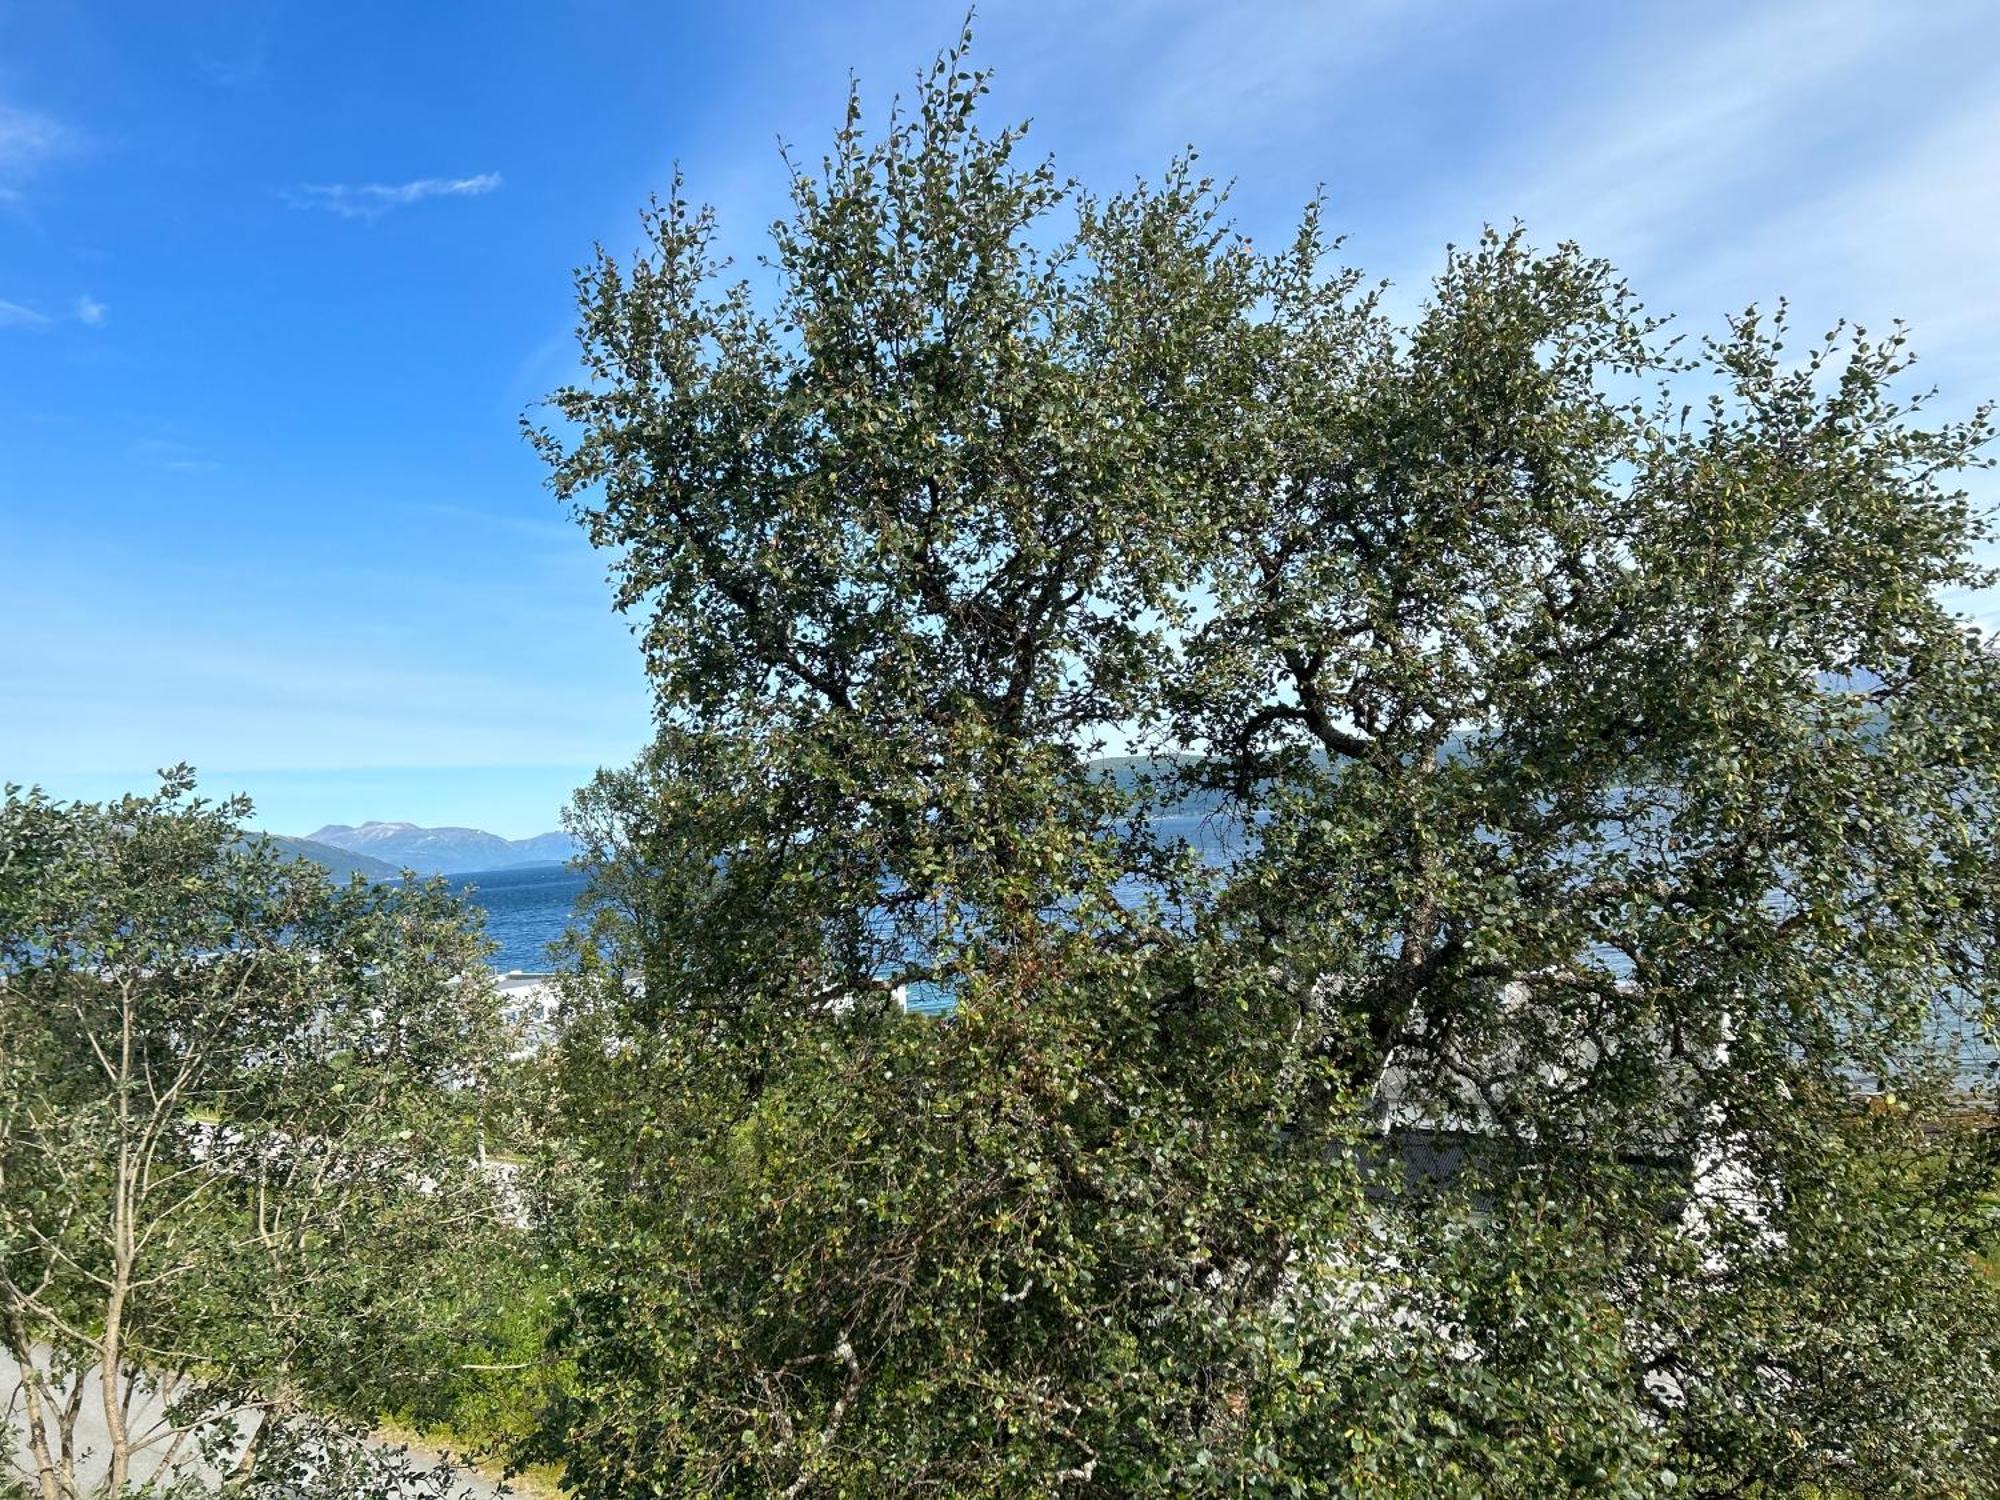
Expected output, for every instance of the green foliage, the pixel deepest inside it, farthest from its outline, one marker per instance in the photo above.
(1050, 1254)
(238, 1137)
(1847, 1346)
(483, 1381)
(1611, 793)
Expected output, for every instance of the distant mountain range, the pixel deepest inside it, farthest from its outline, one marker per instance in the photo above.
(384, 849)
(339, 863)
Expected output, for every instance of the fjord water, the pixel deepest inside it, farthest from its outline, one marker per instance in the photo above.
(527, 908)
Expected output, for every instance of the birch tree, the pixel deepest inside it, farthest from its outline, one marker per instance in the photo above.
(237, 1140)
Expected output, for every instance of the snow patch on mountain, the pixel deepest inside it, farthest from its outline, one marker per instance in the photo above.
(444, 851)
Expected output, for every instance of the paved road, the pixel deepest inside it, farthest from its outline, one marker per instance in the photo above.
(93, 1438)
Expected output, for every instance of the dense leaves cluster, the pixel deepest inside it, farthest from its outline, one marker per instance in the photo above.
(240, 1113)
(1561, 1088)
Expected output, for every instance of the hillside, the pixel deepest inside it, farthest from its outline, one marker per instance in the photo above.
(340, 863)
(443, 851)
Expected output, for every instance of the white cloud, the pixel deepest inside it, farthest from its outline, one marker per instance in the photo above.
(1911, 239)
(87, 310)
(372, 200)
(1674, 144)
(1221, 74)
(177, 457)
(27, 139)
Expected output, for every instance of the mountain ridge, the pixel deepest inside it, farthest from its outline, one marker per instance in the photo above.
(382, 848)
(444, 850)
(339, 863)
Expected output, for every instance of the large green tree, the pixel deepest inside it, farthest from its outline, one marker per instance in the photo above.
(1545, 1095)
(240, 1113)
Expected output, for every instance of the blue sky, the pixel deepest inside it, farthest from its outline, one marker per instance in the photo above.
(276, 282)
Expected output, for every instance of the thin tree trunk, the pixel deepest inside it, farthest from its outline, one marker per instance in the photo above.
(46, 1478)
(108, 1371)
(114, 1403)
(66, 1426)
(246, 1461)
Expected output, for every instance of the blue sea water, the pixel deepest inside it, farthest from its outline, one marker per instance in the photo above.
(526, 910)
(528, 907)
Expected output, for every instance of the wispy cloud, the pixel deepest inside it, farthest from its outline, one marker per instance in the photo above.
(373, 199)
(244, 63)
(1912, 239)
(178, 457)
(27, 140)
(1678, 152)
(86, 310)
(1214, 75)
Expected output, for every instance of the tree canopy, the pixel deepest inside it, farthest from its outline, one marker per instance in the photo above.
(1555, 1089)
(240, 1111)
